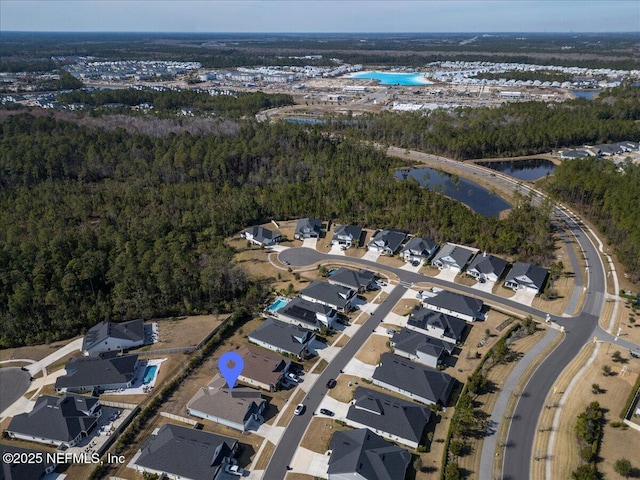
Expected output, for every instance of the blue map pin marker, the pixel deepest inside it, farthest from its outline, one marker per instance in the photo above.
(231, 365)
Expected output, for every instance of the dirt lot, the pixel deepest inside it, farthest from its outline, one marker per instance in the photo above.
(405, 306)
(616, 389)
(319, 434)
(375, 346)
(34, 352)
(184, 331)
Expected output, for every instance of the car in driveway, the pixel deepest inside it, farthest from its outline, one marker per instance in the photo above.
(326, 412)
(299, 409)
(293, 377)
(331, 383)
(234, 470)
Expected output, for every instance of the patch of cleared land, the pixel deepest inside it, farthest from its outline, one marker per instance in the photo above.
(184, 331)
(616, 442)
(405, 306)
(375, 346)
(564, 284)
(319, 433)
(34, 352)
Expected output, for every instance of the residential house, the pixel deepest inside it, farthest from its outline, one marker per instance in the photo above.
(461, 306)
(110, 336)
(346, 235)
(391, 417)
(307, 228)
(413, 380)
(363, 455)
(436, 324)
(283, 338)
(57, 420)
(106, 371)
(360, 281)
(308, 314)
(487, 268)
(453, 257)
(607, 150)
(37, 465)
(572, 154)
(387, 242)
(185, 453)
(420, 348)
(263, 368)
(240, 408)
(419, 249)
(261, 236)
(526, 276)
(337, 297)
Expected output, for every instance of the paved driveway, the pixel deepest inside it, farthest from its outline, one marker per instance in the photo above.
(484, 287)
(524, 297)
(335, 250)
(310, 243)
(447, 274)
(339, 408)
(371, 255)
(311, 463)
(359, 369)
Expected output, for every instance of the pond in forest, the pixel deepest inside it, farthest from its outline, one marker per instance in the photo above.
(526, 170)
(478, 198)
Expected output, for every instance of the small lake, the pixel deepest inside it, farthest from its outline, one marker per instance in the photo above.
(393, 78)
(526, 170)
(479, 199)
(588, 94)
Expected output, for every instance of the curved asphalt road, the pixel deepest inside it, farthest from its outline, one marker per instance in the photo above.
(14, 382)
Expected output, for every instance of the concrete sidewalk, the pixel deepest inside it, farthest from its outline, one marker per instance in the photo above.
(506, 390)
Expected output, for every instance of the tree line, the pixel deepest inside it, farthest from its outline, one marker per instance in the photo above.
(100, 223)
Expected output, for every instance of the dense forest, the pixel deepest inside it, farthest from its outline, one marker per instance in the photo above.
(609, 195)
(108, 224)
(513, 129)
(235, 105)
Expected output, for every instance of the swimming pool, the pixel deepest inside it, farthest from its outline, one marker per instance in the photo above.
(278, 304)
(149, 373)
(392, 78)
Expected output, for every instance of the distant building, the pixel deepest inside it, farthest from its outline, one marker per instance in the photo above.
(308, 314)
(453, 257)
(387, 242)
(360, 281)
(283, 338)
(437, 324)
(106, 371)
(307, 228)
(420, 348)
(526, 276)
(261, 236)
(487, 268)
(463, 307)
(109, 337)
(419, 249)
(346, 235)
(334, 296)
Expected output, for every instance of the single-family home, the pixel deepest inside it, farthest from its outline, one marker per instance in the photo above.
(419, 249)
(240, 408)
(572, 154)
(607, 150)
(261, 236)
(110, 337)
(36, 466)
(262, 368)
(57, 420)
(307, 228)
(463, 307)
(413, 380)
(387, 242)
(363, 455)
(308, 314)
(420, 348)
(107, 371)
(283, 338)
(628, 146)
(526, 276)
(346, 235)
(436, 324)
(390, 417)
(360, 281)
(453, 257)
(487, 268)
(335, 296)
(172, 451)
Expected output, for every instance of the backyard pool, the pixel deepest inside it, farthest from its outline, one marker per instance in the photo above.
(149, 374)
(278, 304)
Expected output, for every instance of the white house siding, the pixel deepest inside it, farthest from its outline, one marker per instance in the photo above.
(273, 348)
(382, 433)
(222, 421)
(402, 392)
(113, 345)
(453, 313)
(46, 441)
(421, 358)
(250, 381)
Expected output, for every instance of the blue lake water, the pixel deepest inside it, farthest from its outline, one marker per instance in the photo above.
(526, 170)
(393, 78)
(479, 199)
(588, 94)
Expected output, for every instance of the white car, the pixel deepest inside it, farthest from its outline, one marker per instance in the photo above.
(234, 470)
(299, 409)
(293, 377)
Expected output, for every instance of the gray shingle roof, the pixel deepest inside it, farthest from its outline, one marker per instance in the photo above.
(306, 226)
(527, 273)
(262, 365)
(334, 295)
(424, 318)
(456, 302)
(367, 454)
(104, 370)
(487, 264)
(132, 330)
(32, 470)
(186, 452)
(304, 311)
(420, 246)
(388, 239)
(352, 232)
(412, 342)
(352, 279)
(57, 418)
(412, 377)
(459, 254)
(389, 414)
(260, 234)
(284, 336)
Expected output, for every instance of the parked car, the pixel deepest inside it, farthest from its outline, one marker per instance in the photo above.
(415, 263)
(234, 470)
(292, 376)
(326, 412)
(635, 354)
(331, 383)
(299, 409)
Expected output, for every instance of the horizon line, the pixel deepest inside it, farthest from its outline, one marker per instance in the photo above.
(485, 32)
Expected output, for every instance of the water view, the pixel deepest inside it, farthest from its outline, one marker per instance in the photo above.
(526, 170)
(479, 199)
(588, 94)
(393, 78)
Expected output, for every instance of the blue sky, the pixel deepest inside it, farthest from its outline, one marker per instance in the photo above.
(320, 15)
